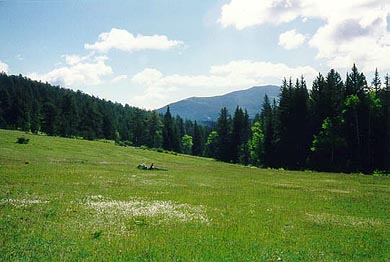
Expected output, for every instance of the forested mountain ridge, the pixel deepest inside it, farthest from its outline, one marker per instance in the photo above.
(40, 107)
(208, 108)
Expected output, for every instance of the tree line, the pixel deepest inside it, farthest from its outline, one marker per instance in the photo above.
(340, 126)
(42, 108)
(337, 126)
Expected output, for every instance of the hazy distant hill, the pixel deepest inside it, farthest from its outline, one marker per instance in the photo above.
(208, 108)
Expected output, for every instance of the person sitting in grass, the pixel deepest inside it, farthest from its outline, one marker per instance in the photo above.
(142, 166)
(152, 167)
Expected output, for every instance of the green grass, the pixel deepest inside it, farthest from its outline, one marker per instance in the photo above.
(71, 200)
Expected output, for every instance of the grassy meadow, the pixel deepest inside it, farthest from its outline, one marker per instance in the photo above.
(71, 200)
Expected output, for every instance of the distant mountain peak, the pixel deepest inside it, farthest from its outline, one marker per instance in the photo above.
(208, 108)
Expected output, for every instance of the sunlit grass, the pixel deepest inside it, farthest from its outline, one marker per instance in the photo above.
(67, 199)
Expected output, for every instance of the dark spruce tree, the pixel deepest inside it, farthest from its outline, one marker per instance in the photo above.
(237, 134)
(154, 131)
(69, 118)
(326, 105)
(267, 125)
(168, 131)
(293, 141)
(386, 118)
(223, 139)
(354, 118)
(197, 146)
(244, 156)
(376, 81)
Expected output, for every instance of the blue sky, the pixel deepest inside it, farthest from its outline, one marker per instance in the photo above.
(151, 53)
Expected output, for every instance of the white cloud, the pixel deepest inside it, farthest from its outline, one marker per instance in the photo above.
(159, 89)
(125, 41)
(78, 71)
(263, 72)
(245, 13)
(361, 37)
(118, 79)
(291, 39)
(353, 31)
(76, 59)
(147, 77)
(3, 67)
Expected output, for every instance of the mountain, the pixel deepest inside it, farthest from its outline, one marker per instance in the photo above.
(207, 108)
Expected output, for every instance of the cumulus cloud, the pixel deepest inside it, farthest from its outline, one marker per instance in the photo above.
(125, 41)
(352, 31)
(90, 69)
(77, 71)
(291, 39)
(263, 72)
(75, 59)
(148, 77)
(361, 37)
(245, 13)
(159, 89)
(3, 67)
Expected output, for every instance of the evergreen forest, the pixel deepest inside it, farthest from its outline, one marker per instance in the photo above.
(336, 125)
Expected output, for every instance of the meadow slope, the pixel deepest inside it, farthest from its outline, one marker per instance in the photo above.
(70, 200)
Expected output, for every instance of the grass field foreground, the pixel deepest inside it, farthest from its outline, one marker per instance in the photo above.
(70, 200)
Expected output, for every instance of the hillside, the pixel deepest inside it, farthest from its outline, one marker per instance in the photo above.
(66, 199)
(208, 108)
(42, 108)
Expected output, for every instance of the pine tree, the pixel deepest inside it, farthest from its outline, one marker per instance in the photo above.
(376, 81)
(301, 129)
(223, 128)
(237, 133)
(179, 122)
(91, 120)
(334, 94)
(168, 131)
(326, 104)
(176, 138)
(154, 127)
(140, 131)
(197, 147)
(69, 119)
(36, 117)
(283, 123)
(293, 144)
(374, 128)
(387, 82)
(50, 118)
(318, 102)
(267, 125)
(386, 113)
(354, 118)
(356, 82)
(244, 157)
